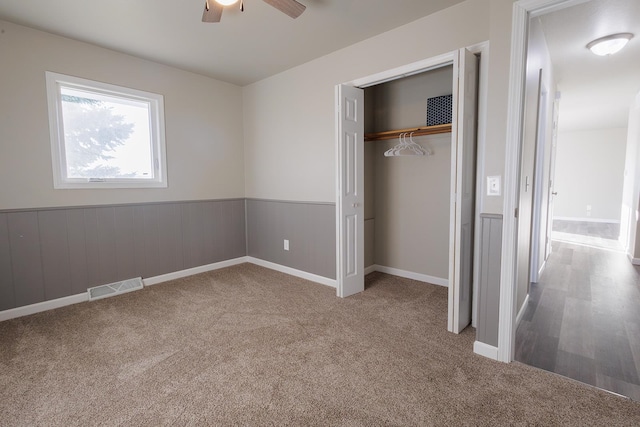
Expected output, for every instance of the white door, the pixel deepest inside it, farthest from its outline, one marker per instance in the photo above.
(537, 234)
(350, 200)
(527, 183)
(552, 174)
(463, 162)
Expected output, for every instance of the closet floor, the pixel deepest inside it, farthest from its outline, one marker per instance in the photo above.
(582, 320)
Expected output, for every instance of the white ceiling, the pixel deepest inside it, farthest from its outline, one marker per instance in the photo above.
(596, 91)
(243, 48)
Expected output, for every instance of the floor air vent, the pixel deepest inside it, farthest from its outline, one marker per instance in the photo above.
(112, 289)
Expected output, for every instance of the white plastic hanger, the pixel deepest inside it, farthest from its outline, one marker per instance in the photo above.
(404, 148)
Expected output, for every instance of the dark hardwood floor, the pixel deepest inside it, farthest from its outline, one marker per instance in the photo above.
(583, 317)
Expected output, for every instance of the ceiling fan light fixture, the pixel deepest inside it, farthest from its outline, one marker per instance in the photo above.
(226, 2)
(609, 45)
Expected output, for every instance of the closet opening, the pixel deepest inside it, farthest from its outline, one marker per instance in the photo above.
(407, 196)
(410, 215)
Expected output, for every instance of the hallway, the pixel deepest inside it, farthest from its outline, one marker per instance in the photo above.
(583, 318)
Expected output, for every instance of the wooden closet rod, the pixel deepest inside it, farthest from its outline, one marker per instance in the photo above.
(420, 131)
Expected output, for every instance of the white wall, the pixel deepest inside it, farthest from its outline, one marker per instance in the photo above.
(589, 171)
(203, 119)
(289, 119)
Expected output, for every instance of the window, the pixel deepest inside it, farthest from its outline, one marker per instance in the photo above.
(105, 136)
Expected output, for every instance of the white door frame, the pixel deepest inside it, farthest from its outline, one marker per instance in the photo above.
(416, 68)
(522, 11)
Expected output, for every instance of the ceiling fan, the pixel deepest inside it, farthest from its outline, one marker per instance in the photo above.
(213, 8)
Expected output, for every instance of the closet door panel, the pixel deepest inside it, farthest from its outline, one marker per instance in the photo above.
(463, 183)
(351, 190)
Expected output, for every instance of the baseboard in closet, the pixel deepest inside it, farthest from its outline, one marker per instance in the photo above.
(408, 275)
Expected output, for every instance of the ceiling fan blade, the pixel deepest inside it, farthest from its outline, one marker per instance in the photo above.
(290, 7)
(212, 11)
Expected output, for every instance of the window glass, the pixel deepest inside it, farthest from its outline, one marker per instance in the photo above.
(104, 136)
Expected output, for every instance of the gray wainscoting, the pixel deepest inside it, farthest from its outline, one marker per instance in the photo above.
(489, 286)
(309, 227)
(52, 253)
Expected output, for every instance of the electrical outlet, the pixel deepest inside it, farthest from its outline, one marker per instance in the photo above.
(286, 245)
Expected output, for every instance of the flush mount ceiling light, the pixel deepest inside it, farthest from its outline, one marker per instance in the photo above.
(226, 2)
(610, 44)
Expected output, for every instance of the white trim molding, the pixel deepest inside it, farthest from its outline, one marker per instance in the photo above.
(506, 330)
(405, 70)
(231, 262)
(409, 275)
(293, 272)
(153, 103)
(522, 310)
(43, 306)
(370, 269)
(485, 350)
(150, 281)
(542, 267)
(84, 297)
(634, 261)
(586, 219)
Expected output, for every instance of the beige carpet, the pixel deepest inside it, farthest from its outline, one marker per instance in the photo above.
(250, 346)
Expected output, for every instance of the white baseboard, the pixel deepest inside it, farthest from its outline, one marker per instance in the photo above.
(370, 269)
(634, 261)
(43, 306)
(410, 275)
(542, 267)
(587, 219)
(150, 281)
(522, 310)
(485, 350)
(293, 272)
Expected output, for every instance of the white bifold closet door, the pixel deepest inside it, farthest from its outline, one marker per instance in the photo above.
(463, 161)
(350, 203)
(350, 185)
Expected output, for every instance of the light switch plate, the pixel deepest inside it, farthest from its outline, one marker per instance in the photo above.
(493, 185)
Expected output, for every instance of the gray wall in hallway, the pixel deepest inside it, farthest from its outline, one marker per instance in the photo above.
(489, 278)
(52, 253)
(309, 227)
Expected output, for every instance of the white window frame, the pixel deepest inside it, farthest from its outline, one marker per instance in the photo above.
(58, 157)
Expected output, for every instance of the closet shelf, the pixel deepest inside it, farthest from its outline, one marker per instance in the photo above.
(394, 134)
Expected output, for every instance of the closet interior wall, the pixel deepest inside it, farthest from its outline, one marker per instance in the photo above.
(407, 199)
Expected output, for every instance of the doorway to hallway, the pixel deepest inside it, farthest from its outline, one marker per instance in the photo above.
(582, 320)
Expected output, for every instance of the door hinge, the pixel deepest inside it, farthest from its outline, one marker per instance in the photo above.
(516, 213)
